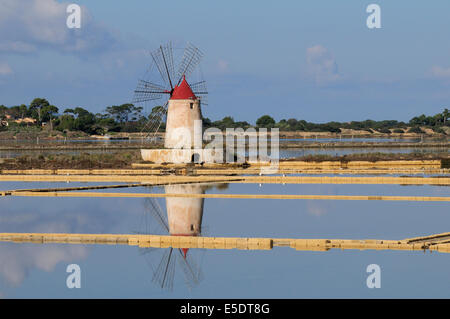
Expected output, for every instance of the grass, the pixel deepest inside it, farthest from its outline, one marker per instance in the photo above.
(80, 161)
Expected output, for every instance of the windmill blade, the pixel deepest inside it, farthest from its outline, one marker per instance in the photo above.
(165, 272)
(191, 58)
(147, 250)
(155, 120)
(204, 101)
(199, 87)
(201, 91)
(191, 271)
(152, 205)
(147, 91)
(167, 55)
(163, 58)
(203, 98)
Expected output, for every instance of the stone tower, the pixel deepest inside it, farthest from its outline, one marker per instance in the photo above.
(183, 109)
(184, 214)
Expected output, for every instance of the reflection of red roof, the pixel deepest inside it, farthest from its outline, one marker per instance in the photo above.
(184, 250)
(183, 91)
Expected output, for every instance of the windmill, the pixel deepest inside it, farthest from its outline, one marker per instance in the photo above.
(183, 218)
(165, 87)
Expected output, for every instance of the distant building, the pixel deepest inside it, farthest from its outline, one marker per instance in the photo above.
(26, 120)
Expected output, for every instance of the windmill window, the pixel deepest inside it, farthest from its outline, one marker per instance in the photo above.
(191, 105)
(192, 227)
(195, 158)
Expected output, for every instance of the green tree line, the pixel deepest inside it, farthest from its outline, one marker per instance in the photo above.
(115, 118)
(130, 118)
(436, 123)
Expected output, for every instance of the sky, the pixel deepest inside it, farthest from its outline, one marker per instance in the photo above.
(311, 60)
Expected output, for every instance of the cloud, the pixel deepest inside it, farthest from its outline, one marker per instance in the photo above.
(29, 26)
(316, 209)
(19, 259)
(5, 69)
(321, 65)
(440, 72)
(16, 47)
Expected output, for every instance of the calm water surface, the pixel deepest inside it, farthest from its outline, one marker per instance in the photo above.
(36, 270)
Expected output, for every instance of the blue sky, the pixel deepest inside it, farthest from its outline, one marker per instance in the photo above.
(312, 60)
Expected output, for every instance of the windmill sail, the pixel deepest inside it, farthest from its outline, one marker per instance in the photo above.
(156, 118)
(163, 77)
(201, 91)
(163, 58)
(172, 258)
(192, 273)
(147, 91)
(191, 58)
(165, 272)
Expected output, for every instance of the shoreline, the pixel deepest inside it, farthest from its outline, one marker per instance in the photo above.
(283, 145)
(346, 134)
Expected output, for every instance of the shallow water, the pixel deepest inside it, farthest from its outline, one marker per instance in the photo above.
(298, 152)
(36, 270)
(283, 153)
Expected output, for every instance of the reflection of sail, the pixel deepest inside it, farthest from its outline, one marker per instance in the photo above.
(184, 218)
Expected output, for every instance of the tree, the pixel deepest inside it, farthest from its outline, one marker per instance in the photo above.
(122, 113)
(36, 107)
(415, 129)
(48, 113)
(136, 113)
(206, 122)
(226, 122)
(66, 122)
(419, 120)
(23, 111)
(265, 121)
(106, 123)
(282, 125)
(84, 120)
(3, 110)
(446, 115)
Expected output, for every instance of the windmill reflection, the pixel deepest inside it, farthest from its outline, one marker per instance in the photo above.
(183, 218)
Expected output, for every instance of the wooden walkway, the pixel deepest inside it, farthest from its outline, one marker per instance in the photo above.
(124, 178)
(44, 193)
(439, 242)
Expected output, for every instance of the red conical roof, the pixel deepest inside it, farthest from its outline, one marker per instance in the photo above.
(183, 91)
(185, 250)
